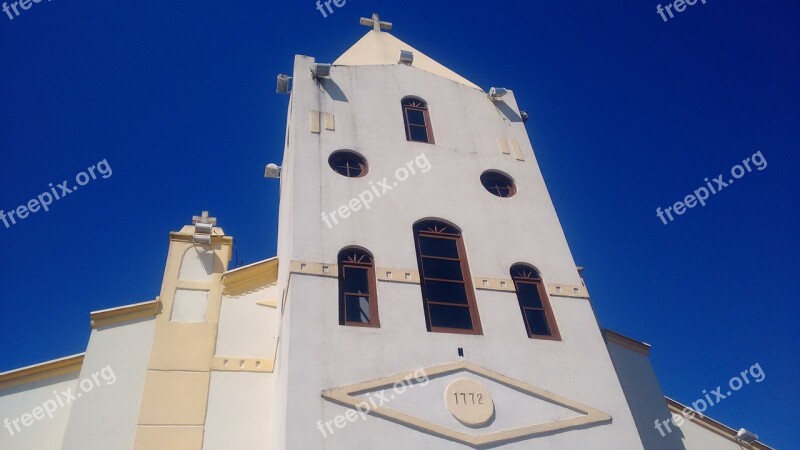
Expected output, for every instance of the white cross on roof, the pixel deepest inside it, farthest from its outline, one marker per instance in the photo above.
(376, 23)
(204, 219)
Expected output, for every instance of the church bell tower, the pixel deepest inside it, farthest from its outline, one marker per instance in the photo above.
(429, 297)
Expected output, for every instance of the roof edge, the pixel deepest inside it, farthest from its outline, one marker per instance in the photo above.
(709, 423)
(41, 371)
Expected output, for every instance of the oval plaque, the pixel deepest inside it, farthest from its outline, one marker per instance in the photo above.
(469, 402)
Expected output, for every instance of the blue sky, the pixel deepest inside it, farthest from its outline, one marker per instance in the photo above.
(627, 113)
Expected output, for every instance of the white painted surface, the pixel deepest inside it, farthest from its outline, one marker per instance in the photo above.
(497, 234)
(512, 408)
(197, 264)
(189, 306)
(44, 434)
(696, 437)
(247, 329)
(105, 418)
(238, 411)
(645, 397)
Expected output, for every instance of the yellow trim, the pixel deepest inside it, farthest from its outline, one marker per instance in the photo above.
(504, 146)
(381, 48)
(216, 239)
(126, 313)
(249, 278)
(169, 437)
(493, 284)
(315, 268)
(624, 341)
(589, 415)
(711, 424)
(397, 275)
(567, 290)
(231, 364)
(269, 303)
(43, 371)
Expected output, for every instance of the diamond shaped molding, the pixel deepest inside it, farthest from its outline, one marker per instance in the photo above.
(589, 416)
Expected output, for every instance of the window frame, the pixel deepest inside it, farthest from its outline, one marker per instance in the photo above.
(496, 175)
(338, 155)
(535, 279)
(472, 305)
(372, 296)
(426, 115)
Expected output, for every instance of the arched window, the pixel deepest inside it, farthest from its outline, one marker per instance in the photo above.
(358, 303)
(417, 120)
(448, 296)
(534, 304)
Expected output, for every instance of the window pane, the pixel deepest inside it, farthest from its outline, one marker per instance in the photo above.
(537, 321)
(442, 291)
(355, 280)
(357, 309)
(529, 295)
(431, 246)
(416, 117)
(450, 317)
(419, 134)
(446, 270)
(351, 169)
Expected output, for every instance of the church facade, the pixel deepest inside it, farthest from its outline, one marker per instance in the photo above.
(423, 296)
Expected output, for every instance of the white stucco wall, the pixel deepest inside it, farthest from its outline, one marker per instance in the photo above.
(247, 329)
(238, 411)
(44, 434)
(105, 418)
(696, 437)
(645, 397)
(497, 233)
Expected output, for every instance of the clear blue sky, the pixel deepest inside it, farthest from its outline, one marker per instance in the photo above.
(628, 113)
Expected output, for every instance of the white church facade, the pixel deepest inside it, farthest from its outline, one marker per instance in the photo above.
(423, 296)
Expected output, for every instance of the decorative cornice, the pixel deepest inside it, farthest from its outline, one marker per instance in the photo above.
(231, 364)
(315, 268)
(43, 371)
(494, 284)
(711, 424)
(127, 313)
(251, 277)
(179, 236)
(613, 337)
(567, 290)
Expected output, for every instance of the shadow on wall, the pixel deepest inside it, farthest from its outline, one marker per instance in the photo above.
(508, 111)
(333, 90)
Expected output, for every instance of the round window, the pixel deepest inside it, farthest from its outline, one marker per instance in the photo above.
(349, 164)
(498, 183)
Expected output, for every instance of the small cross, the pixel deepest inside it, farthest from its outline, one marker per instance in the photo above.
(204, 219)
(376, 23)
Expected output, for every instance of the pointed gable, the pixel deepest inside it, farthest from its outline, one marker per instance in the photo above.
(381, 48)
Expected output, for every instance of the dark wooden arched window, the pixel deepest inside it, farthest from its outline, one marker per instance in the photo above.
(447, 292)
(534, 304)
(358, 302)
(417, 120)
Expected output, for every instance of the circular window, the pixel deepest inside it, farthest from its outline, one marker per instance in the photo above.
(498, 183)
(349, 164)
